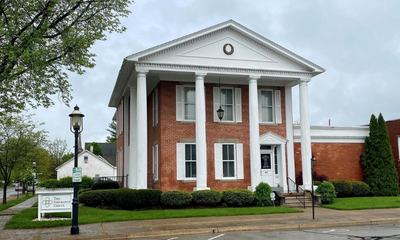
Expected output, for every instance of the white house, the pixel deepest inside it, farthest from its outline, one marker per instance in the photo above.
(92, 166)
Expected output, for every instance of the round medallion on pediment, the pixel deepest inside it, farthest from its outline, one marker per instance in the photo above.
(228, 49)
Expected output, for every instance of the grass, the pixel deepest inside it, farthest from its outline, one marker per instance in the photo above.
(88, 215)
(358, 203)
(11, 203)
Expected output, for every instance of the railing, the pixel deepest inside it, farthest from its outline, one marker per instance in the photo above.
(120, 179)
(295, 189)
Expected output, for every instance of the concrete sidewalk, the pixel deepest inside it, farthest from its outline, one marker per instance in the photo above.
(325, 218)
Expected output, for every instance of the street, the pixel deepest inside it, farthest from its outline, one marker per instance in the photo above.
(10, 191)
(370, 232)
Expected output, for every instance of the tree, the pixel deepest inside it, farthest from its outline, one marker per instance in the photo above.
(113, 132)
(96, 148)
(40, 40)
(57, 150)
(379, 168)
(67, 157)
(18, 138)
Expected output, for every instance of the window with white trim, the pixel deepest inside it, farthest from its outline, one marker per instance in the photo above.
(155, 107)
(185, 103)
(186, 161)
(155, 162)
(228, 160)
(86, 159)
(269, 103)
(230, 100)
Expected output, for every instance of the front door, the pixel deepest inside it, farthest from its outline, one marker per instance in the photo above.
(267, 165)
(270, 165)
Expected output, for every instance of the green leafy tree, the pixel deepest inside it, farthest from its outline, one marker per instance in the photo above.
(18, 138)
(41, 40)
(113, 132)
(96, 148)
(379, 168)
(67, 157)
(57, 150)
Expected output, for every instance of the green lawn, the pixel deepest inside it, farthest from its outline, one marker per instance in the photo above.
(14, 202)
(358, 203)
(91, 215)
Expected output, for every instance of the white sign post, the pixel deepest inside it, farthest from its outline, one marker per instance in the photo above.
(77, 174)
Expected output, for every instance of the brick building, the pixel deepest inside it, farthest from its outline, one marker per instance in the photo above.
(171, 137)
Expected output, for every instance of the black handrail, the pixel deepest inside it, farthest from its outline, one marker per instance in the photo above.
(294, 189)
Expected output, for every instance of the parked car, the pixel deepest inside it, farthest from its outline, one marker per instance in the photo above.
(102, 179)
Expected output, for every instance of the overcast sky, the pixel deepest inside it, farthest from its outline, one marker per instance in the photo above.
(357, 42)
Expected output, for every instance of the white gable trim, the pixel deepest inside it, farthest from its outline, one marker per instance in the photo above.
(271, 138)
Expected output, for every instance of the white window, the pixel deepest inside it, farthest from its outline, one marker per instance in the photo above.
(269, 106)
(155, 162)
(230, 100)
(86, 159)
(185, 103)
(228, 160)
(186, 161)
(155, 107)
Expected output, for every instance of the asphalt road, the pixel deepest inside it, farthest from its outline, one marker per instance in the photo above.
(370, 232)
(10, 191)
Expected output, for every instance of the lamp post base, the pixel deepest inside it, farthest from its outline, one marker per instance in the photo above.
(74, 230)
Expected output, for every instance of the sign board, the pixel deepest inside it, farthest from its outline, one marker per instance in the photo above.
(77, 174)
(54, 200)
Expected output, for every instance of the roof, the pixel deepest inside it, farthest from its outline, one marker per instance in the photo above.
(100, 158)
(130, 63)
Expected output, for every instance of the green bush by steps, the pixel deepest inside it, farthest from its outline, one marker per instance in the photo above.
(237, 197)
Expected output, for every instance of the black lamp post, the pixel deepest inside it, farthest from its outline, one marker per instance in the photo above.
(76, 127)
(33, 185)
(313, 162)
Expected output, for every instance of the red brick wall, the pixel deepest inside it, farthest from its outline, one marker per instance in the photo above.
(120, 142)
(169, 132)
(394, 131)
(335, 160)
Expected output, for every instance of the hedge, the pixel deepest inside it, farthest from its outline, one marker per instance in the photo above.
(99, 198)
(207, 197)
(263, 194)
(343, 188)
(237, 197)
(176, 199)
(327, 192)
(129, 199)
(360, 189)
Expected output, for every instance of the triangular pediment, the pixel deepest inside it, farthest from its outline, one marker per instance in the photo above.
(228, 44)
(272, 138)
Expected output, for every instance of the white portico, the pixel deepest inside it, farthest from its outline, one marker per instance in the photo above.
(250, 76)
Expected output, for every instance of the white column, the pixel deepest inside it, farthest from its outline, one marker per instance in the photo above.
(132, 180)
(305, 133)
(289, 134)
(126, 140)
(255, 163)
(201, 147)
(141, 126)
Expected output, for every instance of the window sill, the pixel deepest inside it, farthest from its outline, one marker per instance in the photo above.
(228, 123)
(228, 180)
(188, 181)
(188, 121)
(268, 124)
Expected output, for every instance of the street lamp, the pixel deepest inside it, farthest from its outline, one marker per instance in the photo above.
(76, 127)
(33, 185)
(313, 162)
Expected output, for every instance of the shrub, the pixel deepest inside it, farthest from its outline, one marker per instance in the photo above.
(66, 182)
(105, 185)
(327, 192)
(82, 190)
(207, 197)
(176, 199)
(99, 198)
(263, 194)
(237, 197)
(343, 188)
(315, 176)
(87, 182)
(50, 183)
(360, 189)
(129, 199)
